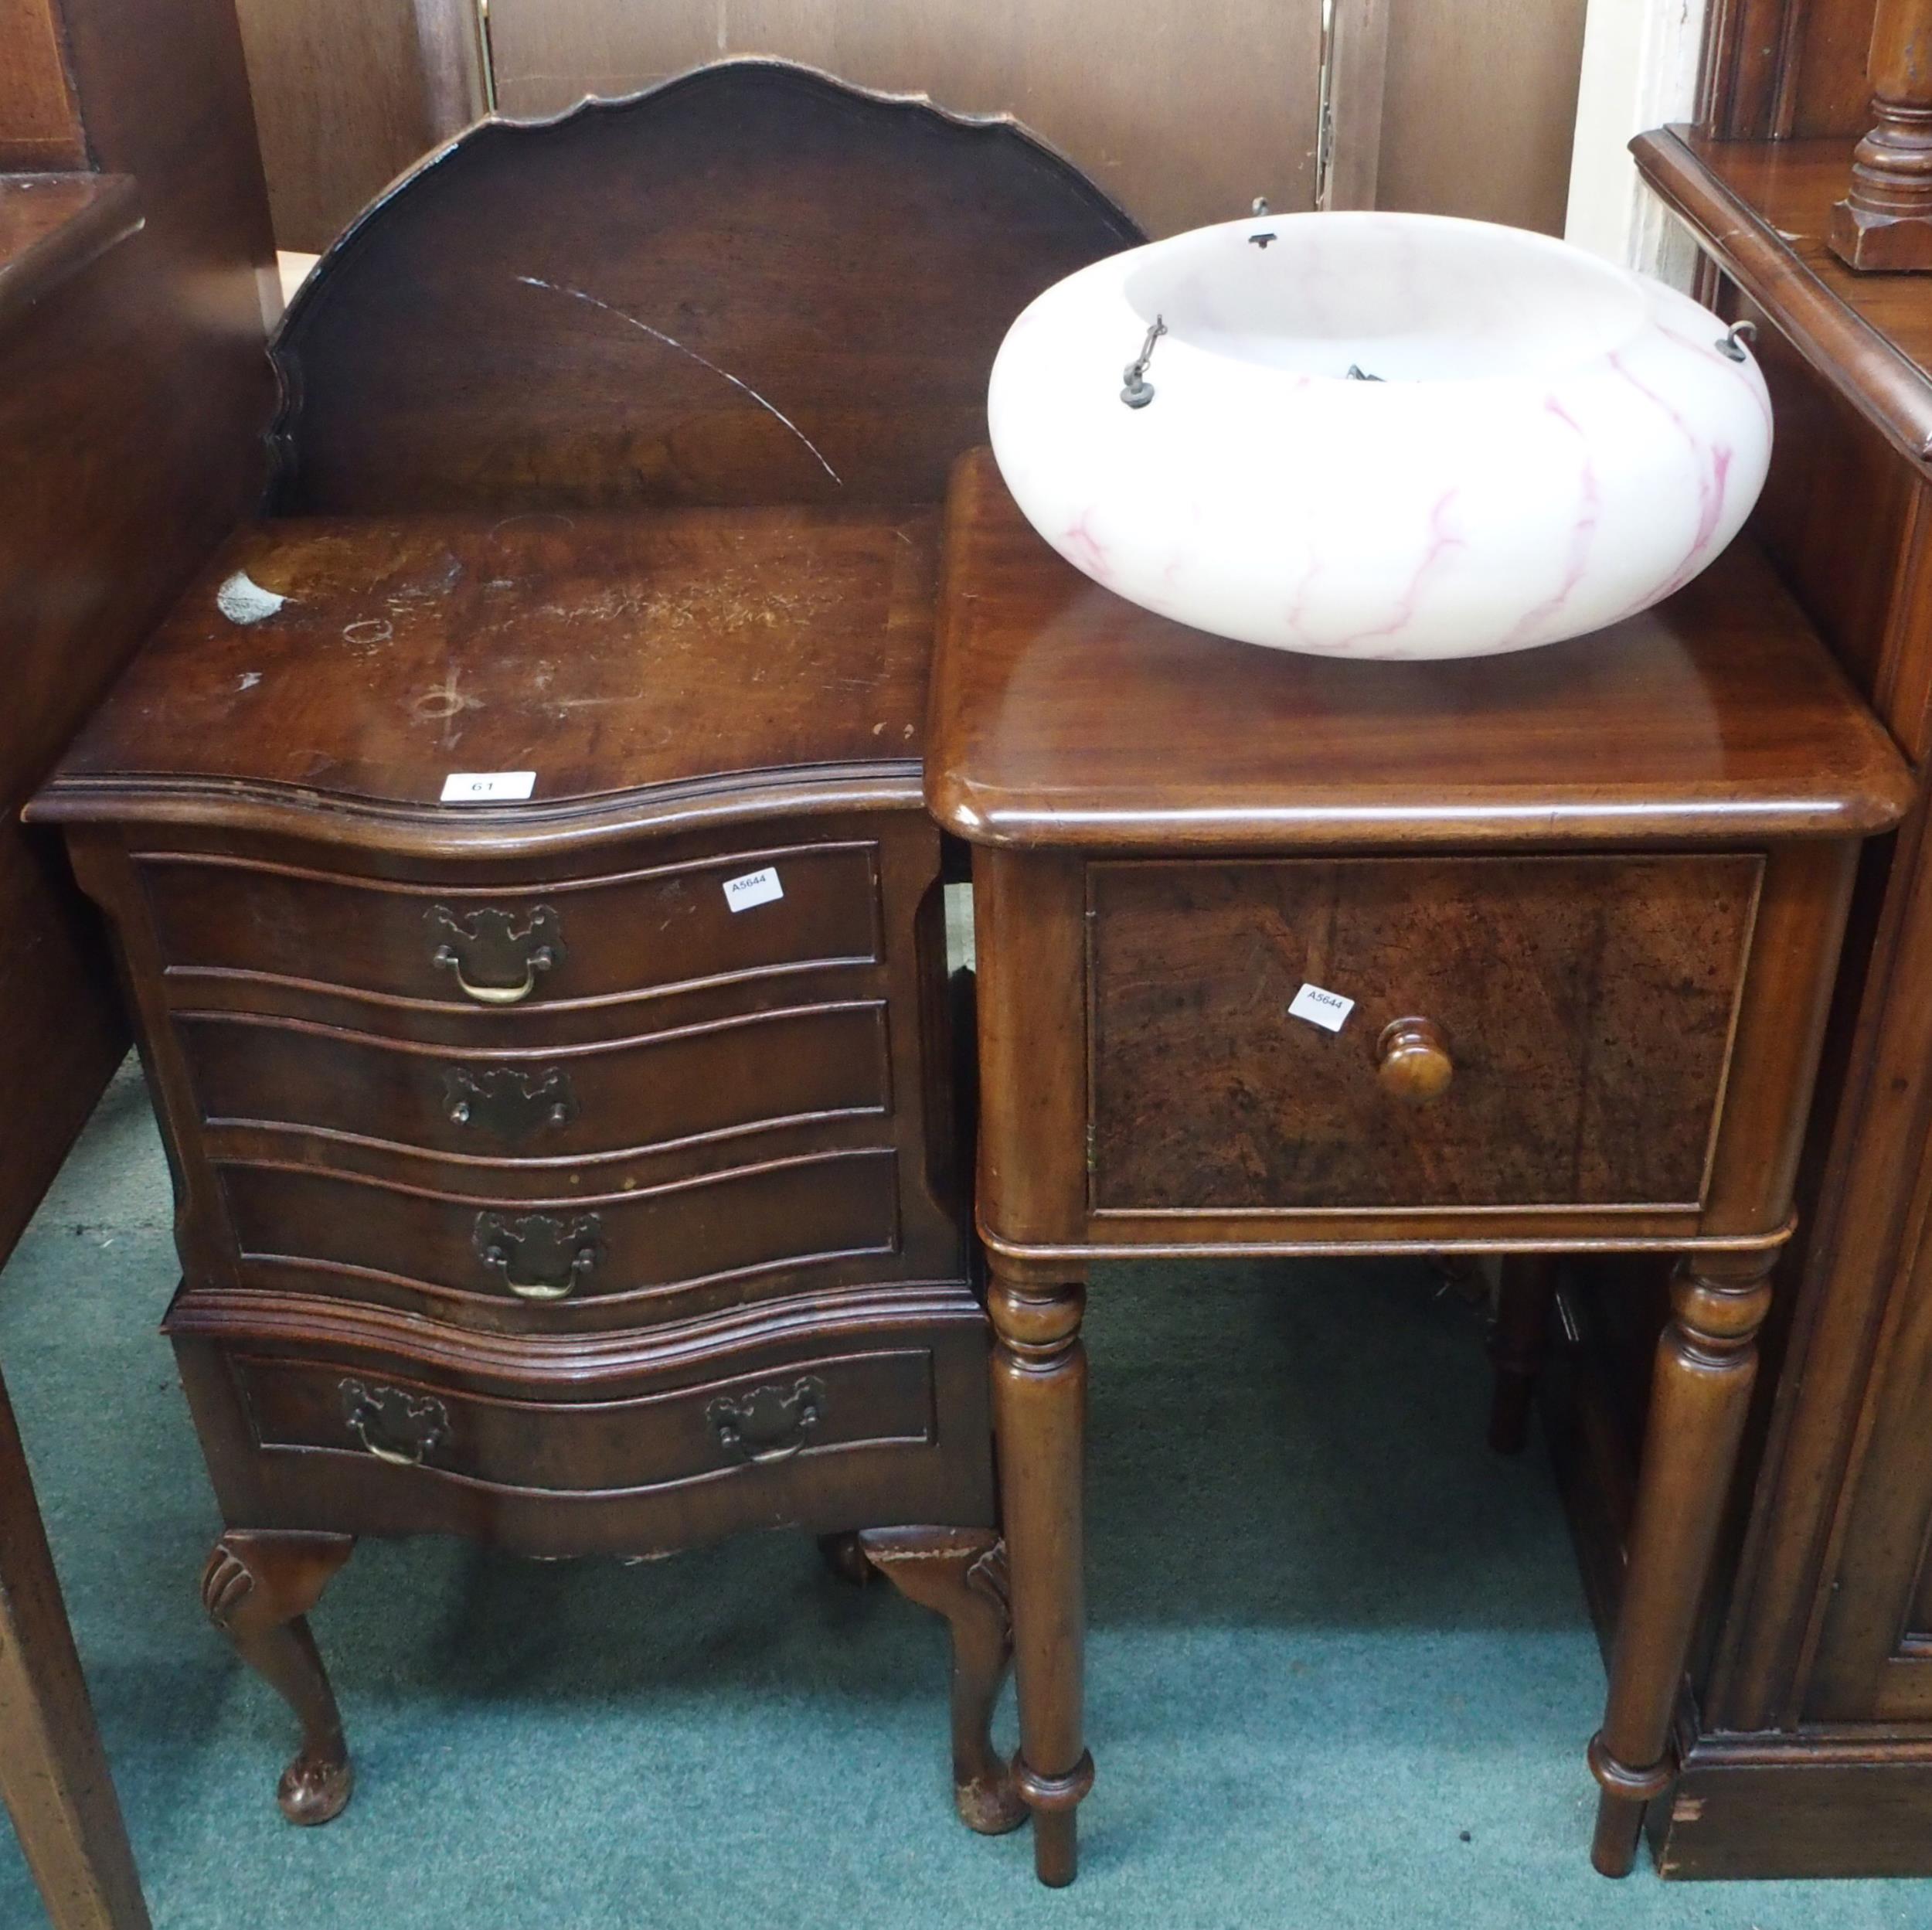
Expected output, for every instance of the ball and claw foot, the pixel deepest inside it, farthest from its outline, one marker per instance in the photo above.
(989, 1806)
(316, 1787)
(257, 1589)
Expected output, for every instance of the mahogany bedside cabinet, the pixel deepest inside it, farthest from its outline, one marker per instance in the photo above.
(516, 849)
(1564, 923)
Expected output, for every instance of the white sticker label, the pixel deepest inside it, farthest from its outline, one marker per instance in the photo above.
(755, 887)
(487, 787)
(1326, 1009)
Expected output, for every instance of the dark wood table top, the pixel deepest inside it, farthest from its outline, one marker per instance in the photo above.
(647, 656)
(1062, 716)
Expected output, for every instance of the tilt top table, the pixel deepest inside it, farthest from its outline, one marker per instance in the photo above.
(1566, 923)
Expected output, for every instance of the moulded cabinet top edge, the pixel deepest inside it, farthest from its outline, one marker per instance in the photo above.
(1062, 716)
(571, 674)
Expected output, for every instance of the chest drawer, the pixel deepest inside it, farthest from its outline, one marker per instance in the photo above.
(745, 1426)
(641, 1255)
(1577, 1018)
(574, 1103)
(465, 946)
(846, 1407)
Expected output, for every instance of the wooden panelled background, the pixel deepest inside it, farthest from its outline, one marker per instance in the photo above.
(1787, 69)
(339, 103)
(1480, 108)
(1185, 113)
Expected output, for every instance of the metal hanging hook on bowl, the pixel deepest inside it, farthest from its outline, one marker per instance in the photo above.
(1735, 338)
(1139, 392)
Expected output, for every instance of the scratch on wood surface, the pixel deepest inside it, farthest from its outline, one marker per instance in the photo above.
(369, 633)
(445, 704)
(528, 516)
(703, 362)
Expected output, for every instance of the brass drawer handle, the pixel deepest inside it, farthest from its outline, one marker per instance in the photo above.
(506, 959)
(769, 1424)
(538, 1257)
(1412, 1061)
(506, 1103)
(419, 1425)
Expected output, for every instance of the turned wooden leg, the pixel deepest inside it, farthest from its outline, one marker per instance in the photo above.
(258, 1588)
(1517, 1342)
(1039, 1414)
(1706, 1361)
(961, 1574)
(53, 1772)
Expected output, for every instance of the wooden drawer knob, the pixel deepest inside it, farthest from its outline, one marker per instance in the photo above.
(1413, 1061)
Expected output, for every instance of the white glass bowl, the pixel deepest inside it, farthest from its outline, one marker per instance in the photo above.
(1548, 442)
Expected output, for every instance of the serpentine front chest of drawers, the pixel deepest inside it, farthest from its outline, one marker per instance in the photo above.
(576, 1174)
(516, 846)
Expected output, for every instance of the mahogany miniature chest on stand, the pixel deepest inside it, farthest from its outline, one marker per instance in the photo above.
(515, 847)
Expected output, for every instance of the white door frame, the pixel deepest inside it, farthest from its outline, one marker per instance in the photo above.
(1640, 69)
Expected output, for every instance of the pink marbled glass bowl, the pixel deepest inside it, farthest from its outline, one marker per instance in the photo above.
(1548, 443)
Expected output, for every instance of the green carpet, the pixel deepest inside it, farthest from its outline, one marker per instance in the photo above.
(1340, 1673)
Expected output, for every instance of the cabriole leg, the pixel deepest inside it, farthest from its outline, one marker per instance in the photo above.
(1706, 1361)
(257, 1589)
(1039, 1415)
(961, 1574)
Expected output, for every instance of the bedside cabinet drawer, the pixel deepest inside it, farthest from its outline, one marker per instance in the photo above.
(572, 942)
(1573, 1019)
(703, 1082)
(747, 1425)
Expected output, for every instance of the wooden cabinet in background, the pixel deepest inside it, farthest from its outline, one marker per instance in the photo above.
(133, 395)
(1805, 1728)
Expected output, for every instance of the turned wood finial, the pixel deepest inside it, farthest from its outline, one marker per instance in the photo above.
(1885, 221)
